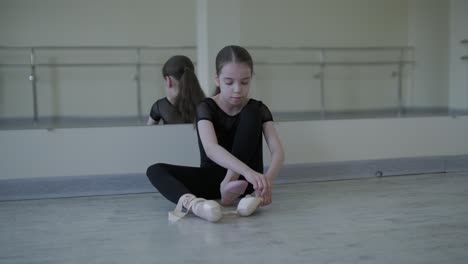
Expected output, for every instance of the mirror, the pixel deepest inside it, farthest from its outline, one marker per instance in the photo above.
(323, 60)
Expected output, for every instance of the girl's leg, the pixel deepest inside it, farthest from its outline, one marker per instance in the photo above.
(247, 147)
(173, 181)
(182, 185)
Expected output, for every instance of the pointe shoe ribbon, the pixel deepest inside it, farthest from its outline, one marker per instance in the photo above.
(206, 209)
(178, 212)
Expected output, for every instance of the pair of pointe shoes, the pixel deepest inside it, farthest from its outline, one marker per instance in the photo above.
(211, 210)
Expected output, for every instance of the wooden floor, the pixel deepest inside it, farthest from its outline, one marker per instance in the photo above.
(411, 219)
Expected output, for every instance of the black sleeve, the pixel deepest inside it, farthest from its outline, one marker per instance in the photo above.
(265, 113)
(204, 112)
(154, 113)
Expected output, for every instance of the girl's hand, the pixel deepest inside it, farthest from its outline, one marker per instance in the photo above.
(266, 196)
(259, 181)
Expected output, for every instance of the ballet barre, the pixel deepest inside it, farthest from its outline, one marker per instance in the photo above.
(136, 60)
(322, 62)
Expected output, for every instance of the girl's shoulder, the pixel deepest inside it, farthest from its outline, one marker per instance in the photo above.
(161, 101)
(206, 109)
(265, 112)
(257, 102)
(207, 102)
(253, 101)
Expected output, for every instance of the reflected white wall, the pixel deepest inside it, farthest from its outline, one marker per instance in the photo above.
(458, 69)
(422, 24)
(95, 91)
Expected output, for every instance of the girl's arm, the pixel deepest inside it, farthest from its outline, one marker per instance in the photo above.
(225, 159)
(151, 121)
(276, 150)
(277, 159)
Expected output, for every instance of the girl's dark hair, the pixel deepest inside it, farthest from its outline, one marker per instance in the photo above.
(190, 93)
(232, 54)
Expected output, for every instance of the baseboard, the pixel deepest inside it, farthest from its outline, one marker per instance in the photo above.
(73, 186)
(94, 185)
(329, 171)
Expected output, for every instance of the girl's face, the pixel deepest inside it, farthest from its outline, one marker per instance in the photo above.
(234, 83)
(171, 86)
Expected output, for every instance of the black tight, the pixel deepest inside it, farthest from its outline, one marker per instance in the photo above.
(173, 181)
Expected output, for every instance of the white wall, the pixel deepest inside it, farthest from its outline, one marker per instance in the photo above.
(94, 151)
(90, 151)
(344, 140)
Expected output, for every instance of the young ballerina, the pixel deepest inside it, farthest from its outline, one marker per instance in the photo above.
(230, 127)
(183, 93)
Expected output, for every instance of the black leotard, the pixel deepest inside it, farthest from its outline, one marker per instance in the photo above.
(163, 110)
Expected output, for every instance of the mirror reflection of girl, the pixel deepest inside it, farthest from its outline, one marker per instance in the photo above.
(183, 93)
(230, 126)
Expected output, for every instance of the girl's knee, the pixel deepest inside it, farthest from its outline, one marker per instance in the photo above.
(251, 113)
(155, 169)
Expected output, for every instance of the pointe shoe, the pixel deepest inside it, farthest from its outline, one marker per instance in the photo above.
(248, 205)
(206, 209)
(232, 191)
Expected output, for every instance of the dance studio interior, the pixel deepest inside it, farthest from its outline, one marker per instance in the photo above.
(369, 99)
